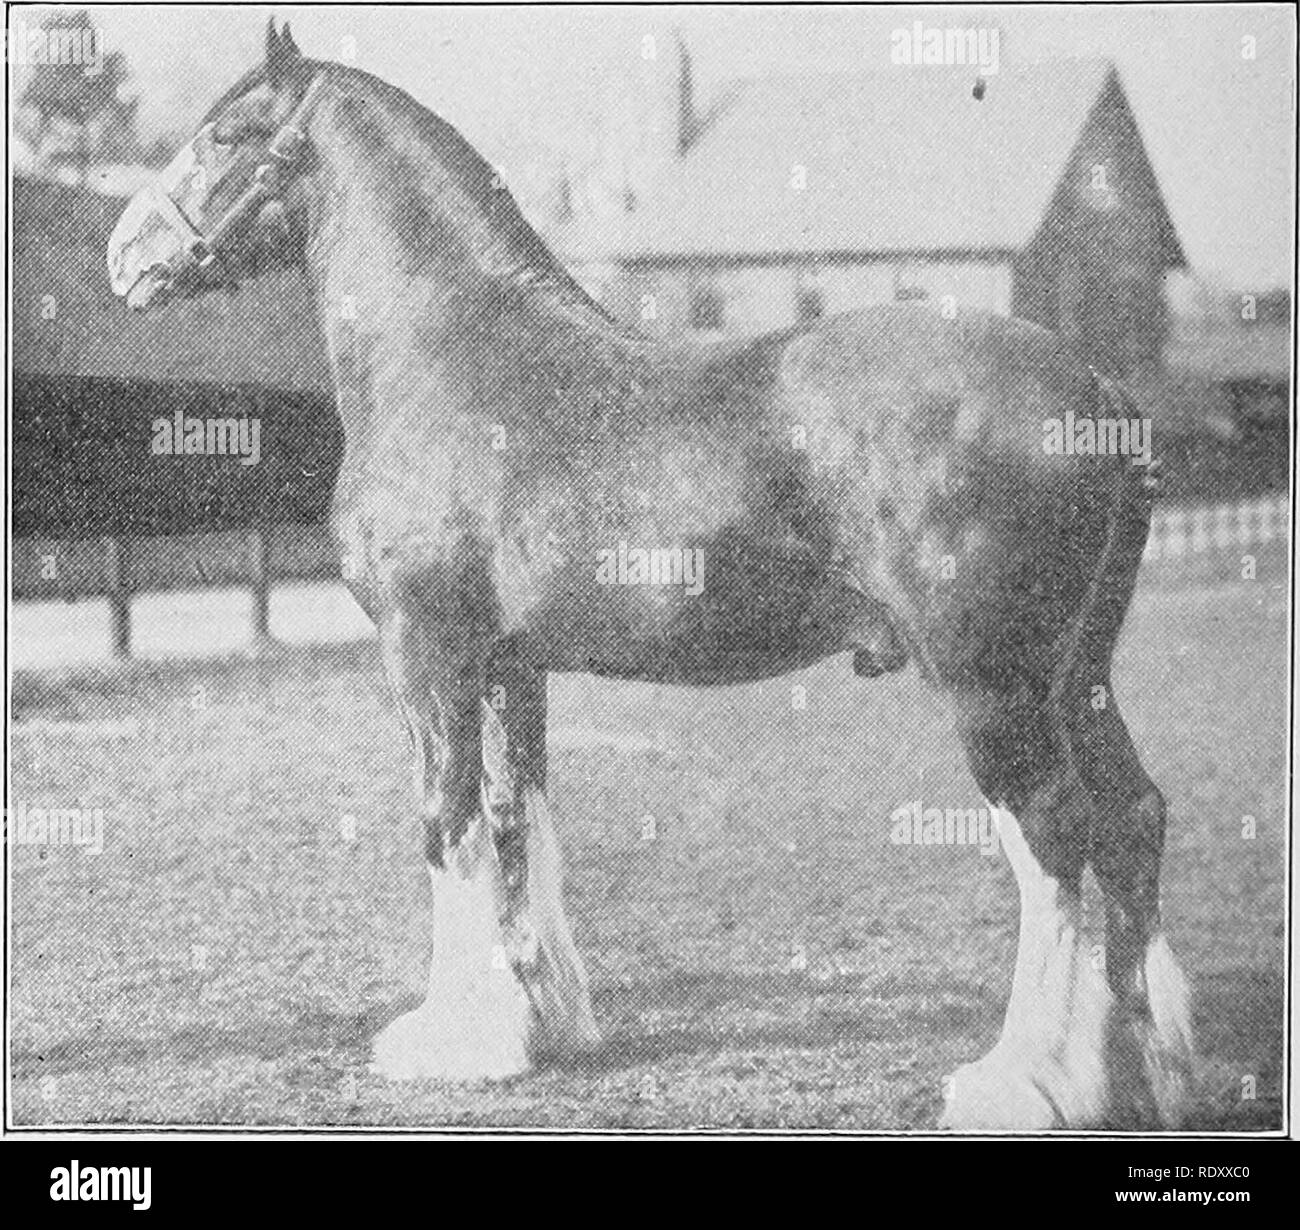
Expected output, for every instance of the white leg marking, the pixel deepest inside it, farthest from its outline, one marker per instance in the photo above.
(546, 958)
(1048, 1067)
(475, 1021)
(565, 1006)
(1166, 1038)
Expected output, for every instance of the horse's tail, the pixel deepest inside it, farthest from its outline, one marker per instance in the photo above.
(1127, 526)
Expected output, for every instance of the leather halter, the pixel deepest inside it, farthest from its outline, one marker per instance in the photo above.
(201, 250)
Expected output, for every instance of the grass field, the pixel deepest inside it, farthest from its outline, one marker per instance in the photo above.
(761, 954)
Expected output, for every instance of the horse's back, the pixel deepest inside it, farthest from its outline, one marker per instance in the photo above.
(911, 407)
(891, 385)
(1003, 374)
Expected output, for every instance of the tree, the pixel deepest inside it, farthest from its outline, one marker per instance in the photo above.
(77, 113)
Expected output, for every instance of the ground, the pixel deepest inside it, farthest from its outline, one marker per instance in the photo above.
(761, 953)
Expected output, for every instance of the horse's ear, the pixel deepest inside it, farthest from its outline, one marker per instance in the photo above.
(287, 45)
(282, 54)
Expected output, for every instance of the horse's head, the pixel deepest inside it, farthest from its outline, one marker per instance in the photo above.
(231, 202)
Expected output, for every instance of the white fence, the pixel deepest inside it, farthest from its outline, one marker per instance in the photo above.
(1177, 532)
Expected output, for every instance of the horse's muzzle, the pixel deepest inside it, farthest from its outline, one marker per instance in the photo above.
(143, 252)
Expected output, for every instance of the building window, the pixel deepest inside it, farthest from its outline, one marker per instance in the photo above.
(707, 309)
(809, 304)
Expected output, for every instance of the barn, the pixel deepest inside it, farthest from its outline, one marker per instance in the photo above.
(1029, 193)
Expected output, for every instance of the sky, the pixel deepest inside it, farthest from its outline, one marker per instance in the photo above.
(1218, 126)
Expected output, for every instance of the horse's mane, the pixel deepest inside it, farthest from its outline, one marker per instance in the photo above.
(519, 252)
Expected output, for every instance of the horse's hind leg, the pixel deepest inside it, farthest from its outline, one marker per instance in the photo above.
(1150, 1043)
(539, 944)
(1092, 1035)
(475, 1021)
(1080, 1046)
(1151, 1046)
(1048, 1067)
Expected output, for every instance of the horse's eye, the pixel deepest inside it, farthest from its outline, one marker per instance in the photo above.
(228, 134)
(236, 131)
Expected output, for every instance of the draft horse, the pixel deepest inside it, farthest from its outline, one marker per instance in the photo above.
(872, 484)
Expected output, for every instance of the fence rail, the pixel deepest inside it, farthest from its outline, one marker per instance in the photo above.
(117, 568)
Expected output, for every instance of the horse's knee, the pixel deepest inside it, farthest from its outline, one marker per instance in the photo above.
(513, 716)
(514, 711)
(446, 785)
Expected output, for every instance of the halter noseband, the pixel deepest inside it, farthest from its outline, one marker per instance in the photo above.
(202, 251)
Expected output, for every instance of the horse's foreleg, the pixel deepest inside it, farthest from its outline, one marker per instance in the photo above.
(1048, 1068)
(476, 1021)
(539, 943)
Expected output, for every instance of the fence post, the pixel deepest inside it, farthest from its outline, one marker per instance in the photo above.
(261, 587)
(118, 570)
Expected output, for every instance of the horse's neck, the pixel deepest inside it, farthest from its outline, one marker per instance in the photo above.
(419, 277)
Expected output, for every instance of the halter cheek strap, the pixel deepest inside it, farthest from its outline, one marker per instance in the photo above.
(202, 250)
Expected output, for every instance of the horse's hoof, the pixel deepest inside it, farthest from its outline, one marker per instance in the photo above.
(427, 1045)
(997, 1093)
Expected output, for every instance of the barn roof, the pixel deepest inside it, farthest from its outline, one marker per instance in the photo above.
(898, 161)
(66, 320)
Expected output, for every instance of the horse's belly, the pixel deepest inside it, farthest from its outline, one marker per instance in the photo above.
(728, 615)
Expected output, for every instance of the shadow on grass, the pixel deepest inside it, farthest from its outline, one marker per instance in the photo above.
(270, 1039)
(743, 1012)
(722, 1012)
